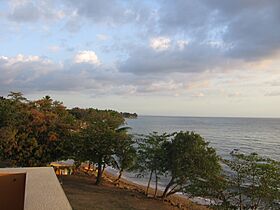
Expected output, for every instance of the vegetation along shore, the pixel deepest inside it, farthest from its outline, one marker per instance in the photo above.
(36, 133)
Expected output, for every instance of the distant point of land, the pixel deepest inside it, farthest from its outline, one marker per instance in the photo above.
(129, 115)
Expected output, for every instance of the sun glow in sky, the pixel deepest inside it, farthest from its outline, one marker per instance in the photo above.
(156, 57)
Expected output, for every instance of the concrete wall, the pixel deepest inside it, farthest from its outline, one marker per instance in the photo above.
(43, 190)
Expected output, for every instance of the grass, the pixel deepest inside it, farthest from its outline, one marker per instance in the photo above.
(83, 194)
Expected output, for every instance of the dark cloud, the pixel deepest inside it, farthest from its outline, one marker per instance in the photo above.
(193, 58)
(33, 11)
(184, 16)
(254, 33)
(32, 73)
(251, 27)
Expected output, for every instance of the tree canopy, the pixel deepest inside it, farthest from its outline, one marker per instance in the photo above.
(32, 133)
(99, 137)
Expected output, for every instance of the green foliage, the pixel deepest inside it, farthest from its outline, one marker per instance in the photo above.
(150, 152)
(254, 182)
(183, 156)
(98, 137)
(125, 152)
(151, 156)
(191, 163)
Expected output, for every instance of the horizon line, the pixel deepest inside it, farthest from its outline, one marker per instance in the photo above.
(189, 116)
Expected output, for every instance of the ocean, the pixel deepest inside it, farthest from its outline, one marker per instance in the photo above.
(260, 135)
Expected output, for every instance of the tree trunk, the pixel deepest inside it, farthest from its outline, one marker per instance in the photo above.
(147, 190)
(120, 176)
(103, 168)
(167, 188)
(155, 194)
(99, 173)
(173, 191)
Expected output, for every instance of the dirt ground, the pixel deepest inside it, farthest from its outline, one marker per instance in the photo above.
(84, 195)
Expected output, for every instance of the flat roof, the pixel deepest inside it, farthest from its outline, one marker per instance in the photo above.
(43, 190)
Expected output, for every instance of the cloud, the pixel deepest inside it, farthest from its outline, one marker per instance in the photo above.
(194, 58)
(26, 12)
(249, 29)
(19, 59)
(200, 36)
(34, 73)
(29, 73)
(242, 30)
(87, 57)
(161, 86)
(160, 43)
(20, 70)
(154, 47)
(32, 11)
(111, 12)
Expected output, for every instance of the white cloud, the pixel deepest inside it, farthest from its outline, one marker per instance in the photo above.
(22, 59)
(87, 57)
(21, 70)
(160, 43)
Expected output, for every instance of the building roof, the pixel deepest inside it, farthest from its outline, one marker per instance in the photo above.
(43, 190)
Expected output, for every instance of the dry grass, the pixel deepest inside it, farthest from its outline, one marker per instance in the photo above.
(84, 195)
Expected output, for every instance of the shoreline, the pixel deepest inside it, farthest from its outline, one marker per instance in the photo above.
(176, 200)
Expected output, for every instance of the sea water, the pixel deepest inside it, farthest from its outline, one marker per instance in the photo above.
(260, 135)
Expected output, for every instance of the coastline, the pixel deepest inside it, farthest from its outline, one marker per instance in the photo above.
(176, 200)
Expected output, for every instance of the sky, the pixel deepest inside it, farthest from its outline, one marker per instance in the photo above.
(153, 57)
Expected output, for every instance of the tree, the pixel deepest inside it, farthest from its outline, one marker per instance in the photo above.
(253, 182)
(189, 161)
(125, 152)
(32, 133)
(151, 157)
(98, 137)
